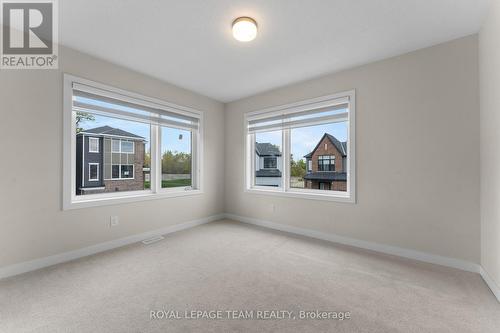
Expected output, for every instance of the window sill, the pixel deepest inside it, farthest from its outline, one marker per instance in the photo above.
(337, 197)
(116, 200)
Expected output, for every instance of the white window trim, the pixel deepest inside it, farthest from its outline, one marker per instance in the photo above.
(90, 145)
(71, 201)
(285, 190)
(94, 179)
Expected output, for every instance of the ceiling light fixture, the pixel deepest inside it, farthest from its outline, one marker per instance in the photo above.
(244, 29)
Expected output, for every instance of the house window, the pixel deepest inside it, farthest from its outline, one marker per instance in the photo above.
(127, 147)
(326, 163)
(93, 145)
(311, 135)
(270, 162)
(115, 146)
(127, 171)
(130, 132)
(93, 171)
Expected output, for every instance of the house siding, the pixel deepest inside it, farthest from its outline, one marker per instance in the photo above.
(92, 158)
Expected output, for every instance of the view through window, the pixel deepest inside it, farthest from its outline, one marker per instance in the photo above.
(304, 148)
(318, 157)
(117, 149)
(176, 163)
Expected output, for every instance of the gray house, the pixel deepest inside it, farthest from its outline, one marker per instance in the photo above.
(267, 164)
(109, 160)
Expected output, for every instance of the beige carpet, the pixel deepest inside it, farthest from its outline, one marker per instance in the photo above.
(231, 266)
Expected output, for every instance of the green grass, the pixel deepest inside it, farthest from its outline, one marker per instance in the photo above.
(171, 183)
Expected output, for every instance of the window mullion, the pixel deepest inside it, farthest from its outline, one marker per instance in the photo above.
(286, 159)
(155, 172)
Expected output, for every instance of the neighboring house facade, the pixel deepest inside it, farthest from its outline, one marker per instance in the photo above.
(326, 165)
(267, 164)
(109, 160)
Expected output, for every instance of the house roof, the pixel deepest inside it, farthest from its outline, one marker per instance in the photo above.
(341, 146)
(111, 131)
(267, 149)
(268, 173)
(326, 175)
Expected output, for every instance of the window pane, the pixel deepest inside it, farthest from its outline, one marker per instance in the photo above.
(93, 145)
(116, 146)
(127, 146)
(318, 157)
(116, 171)
(127, 171)
(122, 165)
(176, 161)
(268, 159)
(93, 172)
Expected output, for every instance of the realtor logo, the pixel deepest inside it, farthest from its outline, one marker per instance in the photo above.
(29, 36)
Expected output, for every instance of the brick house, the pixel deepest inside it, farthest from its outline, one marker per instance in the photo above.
(109, 160)
(326, 165)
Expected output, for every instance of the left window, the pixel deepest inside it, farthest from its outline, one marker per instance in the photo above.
(113, 145)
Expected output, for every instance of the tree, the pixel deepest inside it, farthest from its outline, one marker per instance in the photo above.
(81, 117)
(297, 168)
(176, 162)
(147, 160)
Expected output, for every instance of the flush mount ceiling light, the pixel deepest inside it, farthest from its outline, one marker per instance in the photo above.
(244, 29)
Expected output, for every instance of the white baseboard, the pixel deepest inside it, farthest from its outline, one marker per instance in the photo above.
(32, 265)
(495, 289)
(387, 249)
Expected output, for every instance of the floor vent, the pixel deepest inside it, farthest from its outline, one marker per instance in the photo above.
(152, 240)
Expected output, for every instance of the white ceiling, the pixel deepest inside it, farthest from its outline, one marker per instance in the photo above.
(189, 43)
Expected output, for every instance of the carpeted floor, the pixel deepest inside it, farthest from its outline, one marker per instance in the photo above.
(230, 266)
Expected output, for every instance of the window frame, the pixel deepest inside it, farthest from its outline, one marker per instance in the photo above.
(71, 201)
(94, 179)
(98, 141)
(285, 190)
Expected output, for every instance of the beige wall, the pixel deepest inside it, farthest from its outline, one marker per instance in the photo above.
(32, 223)
(489, 69)
(417, 123)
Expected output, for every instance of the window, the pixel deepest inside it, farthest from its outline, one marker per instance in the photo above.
(93, 145)
(127, 171)
(93, 171)
(315, 142)
(127, 147)
(326, 162)
(115, 147)
(270, 162)
(135, 136)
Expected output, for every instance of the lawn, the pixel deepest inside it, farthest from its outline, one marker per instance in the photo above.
(171, 183)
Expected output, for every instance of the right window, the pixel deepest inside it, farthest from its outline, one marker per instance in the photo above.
(318, 147)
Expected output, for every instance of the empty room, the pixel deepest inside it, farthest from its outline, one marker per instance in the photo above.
(250, 166)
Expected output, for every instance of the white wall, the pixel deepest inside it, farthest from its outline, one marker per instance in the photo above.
(417, 151)
(489, 69)
(32, 223)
